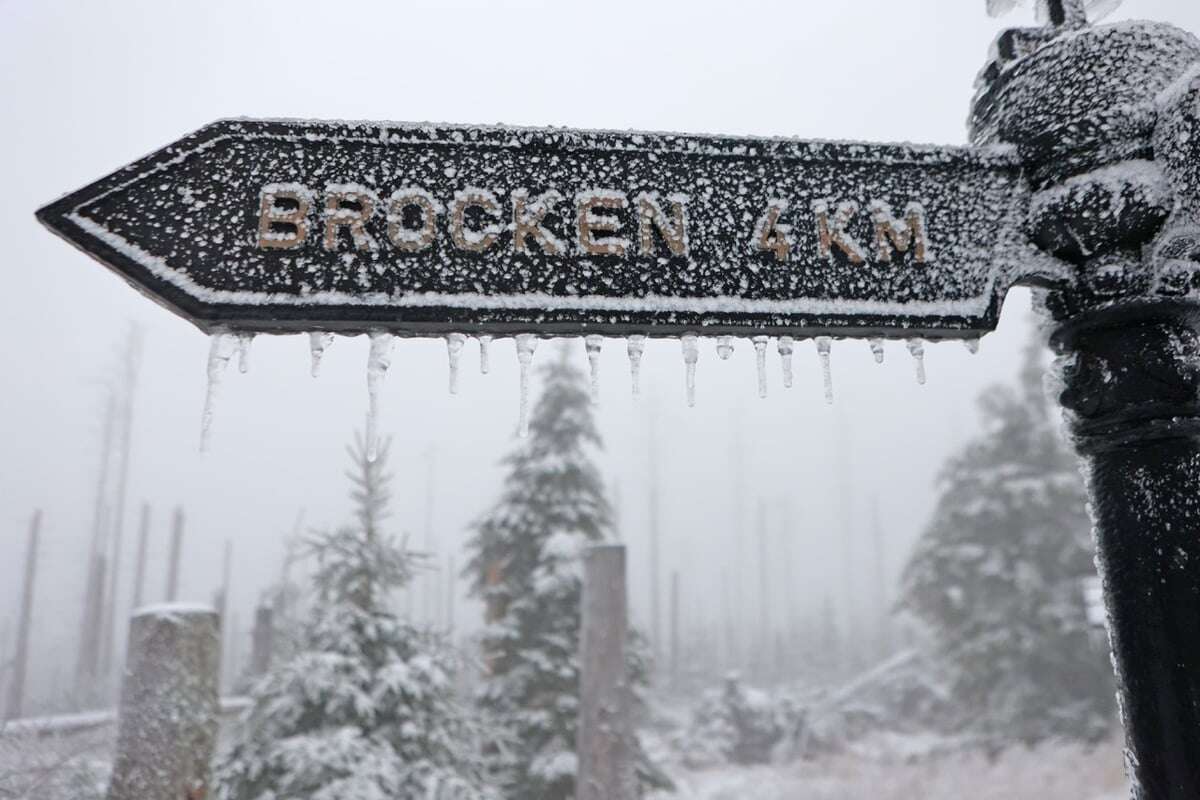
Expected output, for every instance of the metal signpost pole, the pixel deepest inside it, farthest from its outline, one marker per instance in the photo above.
(1107, 121)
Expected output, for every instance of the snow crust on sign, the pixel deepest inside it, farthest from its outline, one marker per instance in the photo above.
(182, 215)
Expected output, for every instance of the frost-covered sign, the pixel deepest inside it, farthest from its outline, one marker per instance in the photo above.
(286, 225)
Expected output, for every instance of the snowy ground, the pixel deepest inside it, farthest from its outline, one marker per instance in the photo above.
(66, 768)
(1061, 772)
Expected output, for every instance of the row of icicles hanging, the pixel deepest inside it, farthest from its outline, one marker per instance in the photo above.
(225, 344)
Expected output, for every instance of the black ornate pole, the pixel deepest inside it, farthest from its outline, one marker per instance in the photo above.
(1106, 122)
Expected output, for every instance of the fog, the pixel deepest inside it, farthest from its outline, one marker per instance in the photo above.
(89, 87)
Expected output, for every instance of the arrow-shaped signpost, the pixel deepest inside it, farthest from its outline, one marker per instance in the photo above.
(1084, 180)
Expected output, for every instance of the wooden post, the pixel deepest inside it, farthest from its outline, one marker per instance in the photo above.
(16, 689)
(176, 551)
(168, 716)
(262, 640)
(139, 577)
(604, 741)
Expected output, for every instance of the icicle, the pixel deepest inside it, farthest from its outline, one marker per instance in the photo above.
(220, 350)
(318, 342)
(917, 348)
(243, 350)
(484, 361)
(454, 346)
(635, 344)
(824, 346)
(526, 342)
(760, 355)
(876, 349)
(725, 347)
(972, 345)
(691, 354)
(786, 345)
(378, 360)
(593, 344)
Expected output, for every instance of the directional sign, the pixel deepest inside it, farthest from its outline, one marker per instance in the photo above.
(276, 226)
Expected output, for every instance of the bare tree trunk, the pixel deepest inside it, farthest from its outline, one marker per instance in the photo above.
(108, 634)
(604, 742)
(91, 616)
(176, 552)
(169, 705)
(655, 597)
(16, 689)
(139, 577)
(675, 630)
(764, 592)
(883, 641)
(451, 585)
(222, 604)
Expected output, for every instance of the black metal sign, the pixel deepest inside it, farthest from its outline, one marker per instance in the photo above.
(281, 226)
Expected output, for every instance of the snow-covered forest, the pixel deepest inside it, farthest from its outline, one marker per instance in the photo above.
(853, 569)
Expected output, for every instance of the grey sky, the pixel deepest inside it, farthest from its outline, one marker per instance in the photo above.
(88, 87)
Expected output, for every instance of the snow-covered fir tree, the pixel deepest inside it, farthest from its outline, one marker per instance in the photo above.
(366, 709)
(526, 567)
(999, 577)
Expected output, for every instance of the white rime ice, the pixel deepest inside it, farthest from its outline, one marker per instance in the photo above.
(243, 350)
(378, 360)
(526, 342)
(635, 345)
(454, 346)
(917, 348)
(725, 347)
(484, 361)
(318, 342)
(876, 349)
(824, 346)
(760, 357)
(972, 345)
(593, 344)
(220, 350)
(691, 354)
(786, 345)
